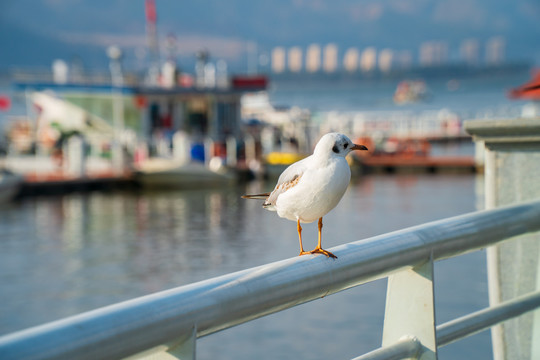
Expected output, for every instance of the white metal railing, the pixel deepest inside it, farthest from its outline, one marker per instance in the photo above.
(172, 320)
(467, 325)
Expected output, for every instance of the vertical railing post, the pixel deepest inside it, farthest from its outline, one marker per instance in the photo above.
(410, 309)
(186, 350)
(512, 170)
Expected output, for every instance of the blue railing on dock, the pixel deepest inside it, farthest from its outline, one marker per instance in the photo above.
(172, 320)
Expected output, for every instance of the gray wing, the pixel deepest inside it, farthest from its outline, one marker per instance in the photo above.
(287, 180)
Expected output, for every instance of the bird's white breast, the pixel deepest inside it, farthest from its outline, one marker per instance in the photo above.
(319, 190)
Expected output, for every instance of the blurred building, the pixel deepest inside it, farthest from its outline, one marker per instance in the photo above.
(469, 51)
(278, 60)
(495, 50)
(295, 59)
(313, 58)
(441, 52)
(330, 57)
(351, 60)
(433, 53)
(385, 60)
(368, 59)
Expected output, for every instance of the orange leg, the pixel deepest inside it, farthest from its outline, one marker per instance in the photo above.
(319, 249)
(319, 225)
(299, 228)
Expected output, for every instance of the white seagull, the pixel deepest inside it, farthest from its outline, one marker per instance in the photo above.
(308, 189)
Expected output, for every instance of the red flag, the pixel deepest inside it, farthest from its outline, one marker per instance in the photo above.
(5, 103)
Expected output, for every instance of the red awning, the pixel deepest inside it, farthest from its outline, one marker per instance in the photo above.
(258, 82)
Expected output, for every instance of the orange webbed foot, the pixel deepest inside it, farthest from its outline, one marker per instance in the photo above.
(318, 251)
(324, 252)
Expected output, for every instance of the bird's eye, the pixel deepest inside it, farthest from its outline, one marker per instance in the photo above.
(335, 149)
(345, 146)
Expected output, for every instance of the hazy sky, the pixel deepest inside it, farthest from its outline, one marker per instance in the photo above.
(36, 31)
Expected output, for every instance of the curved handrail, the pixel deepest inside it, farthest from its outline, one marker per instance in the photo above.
(208, 306)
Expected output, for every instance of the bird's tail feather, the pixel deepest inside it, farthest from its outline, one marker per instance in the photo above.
(256, 196)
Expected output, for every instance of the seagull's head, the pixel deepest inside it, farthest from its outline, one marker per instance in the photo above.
(336, 144)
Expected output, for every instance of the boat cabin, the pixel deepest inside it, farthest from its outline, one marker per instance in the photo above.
(139, 114)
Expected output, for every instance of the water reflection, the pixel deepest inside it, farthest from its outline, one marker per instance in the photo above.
(78, 252)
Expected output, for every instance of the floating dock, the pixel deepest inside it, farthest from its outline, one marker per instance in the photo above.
(418, 164)
(56, 183)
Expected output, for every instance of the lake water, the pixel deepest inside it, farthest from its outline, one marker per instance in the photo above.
(63, 255)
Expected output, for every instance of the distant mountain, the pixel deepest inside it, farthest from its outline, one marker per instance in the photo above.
(33, 33)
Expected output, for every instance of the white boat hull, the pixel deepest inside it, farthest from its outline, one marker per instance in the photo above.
(163, 174)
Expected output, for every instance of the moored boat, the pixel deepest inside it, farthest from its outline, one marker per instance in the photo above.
(164, 173)
(10, 185)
